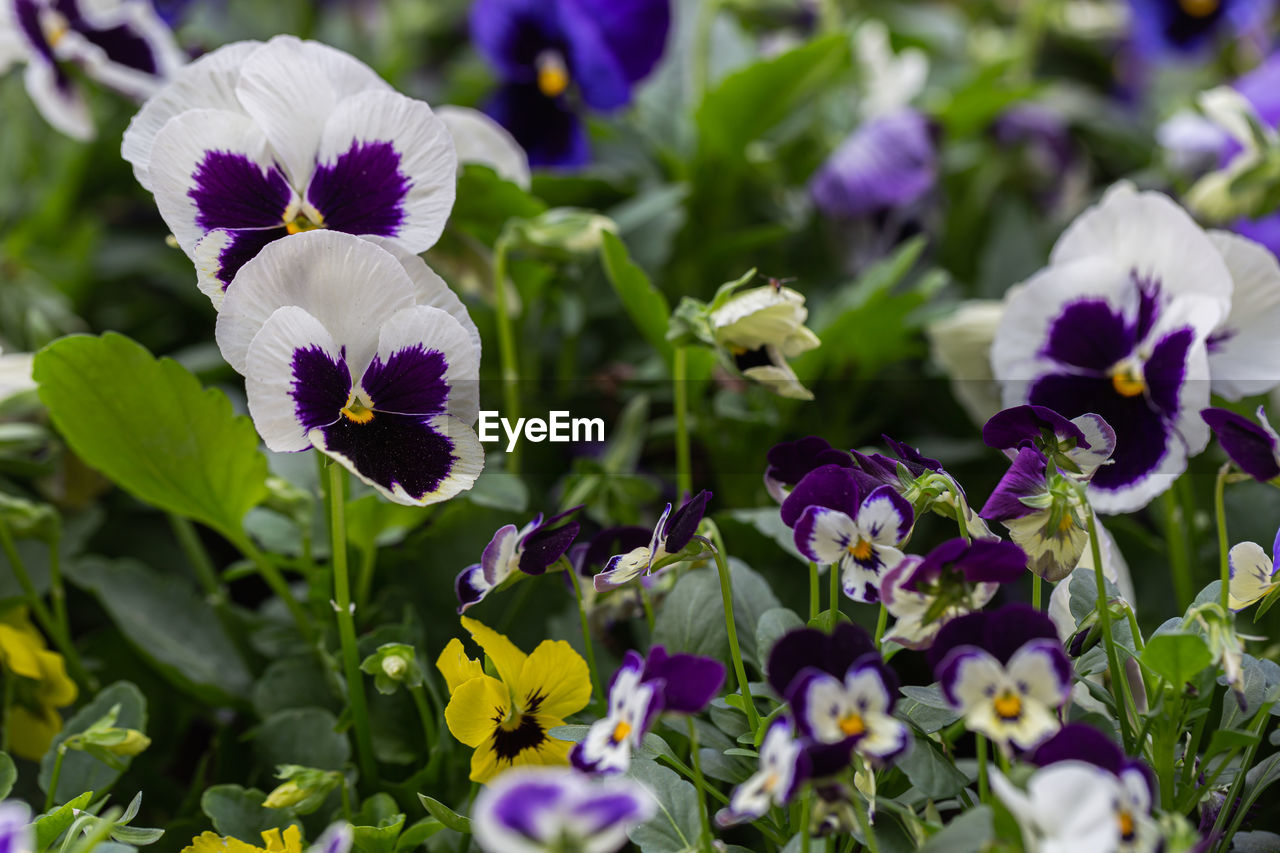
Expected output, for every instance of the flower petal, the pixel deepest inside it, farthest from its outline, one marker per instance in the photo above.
(1244, 352)
(557, 674)
(473, 706)
(479, 139)
(825, 535)
(1042, 672)
(885, 516)
(1251, 575)
(425, 364)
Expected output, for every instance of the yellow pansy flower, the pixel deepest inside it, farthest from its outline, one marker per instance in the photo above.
(42, 687)
(506, 719)
(290, 841)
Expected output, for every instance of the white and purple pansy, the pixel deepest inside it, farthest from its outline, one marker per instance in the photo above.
(338, 838)
(784, 767)
(1045, 513)
(790, 461)
(1134, 794)
(257, 141)
(1253, 573)
(16, 835)
(1255, 448)
(1078, 446)
(642, 688)
(1118, 326)
(858, 536)
(852, 712)
(955, 578)
(343, 350)
(1067, 807)
(670, 535)
(529, 549)
(1005, 671)
(547, 809)
(122, 44)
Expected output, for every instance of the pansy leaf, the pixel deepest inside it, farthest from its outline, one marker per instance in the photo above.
(381, 838)
(306, 736)
(644, 303)
(50, 826)
(444, 814)
(417, 834)
(8, 774)
(773, 624)
(675, 827)
(1177, 657)
(931, 773)
(240, 813)
(81, 771)
(968, 833)
(149, 426)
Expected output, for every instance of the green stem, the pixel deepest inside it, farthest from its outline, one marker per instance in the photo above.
(983, 789)
(1224, 548)
(833, 615)
(586, 632)
(506, 345)
(680, 381)
(702, 49)
(347, 625)
(726, 593)
(5, 706)
(275, 579)
(815, 592)
(868, 834)
(881, 622)
(214, 590)
(419, 695)
(1179, 559)
(50, 797)
(806, 837)
(647, 603)
(1036, 584)
(1104, 618)
(704, 840)
(1259, 724)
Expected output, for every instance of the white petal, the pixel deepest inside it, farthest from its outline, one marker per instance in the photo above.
(142, 20)
(961, 345)
(270, 376)
(977, 677)
(759, 316)
(1032, 669)
(65, 110)
(1247, 362)
(479, 139)
(349, 284)
(881, 522)
(421, 325)
(1251, 575)
(830, 532)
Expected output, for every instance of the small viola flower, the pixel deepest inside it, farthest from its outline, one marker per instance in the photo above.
(531, 549)
(859, 536)
(761, 328)
(957, 577)
(1163, 29)
(256, 141)
(547, 809)
(641, 689)
(1118, 326)
(479, 139)
(1005, 672)
(1078, 446)
(790, 461)
(551, 54)
(506, 719)
(1068, 807)
(273, 841)
(40, 686)
(122, 44)
(1253, 574)
(889, 162)
(670, 535)
(1044, 512)
(850, 713)
(1255, 448)
(15, 827)
(386, 384)
(784, 767)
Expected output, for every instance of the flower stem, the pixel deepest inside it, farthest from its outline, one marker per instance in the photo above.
(647, 603)
(815, 592)
(680, 381)
(726, 593)
(586, 631)
(1104, 619)
(1179, 558)
(6, 705)
(419, 695)
(806, 837)
(274, 579)
(1036, 583)
(214, 590)
(1220, 511)
(50, 797)
(881, 621)
(704, 840)
(346, 623)
(833, 615)
(983, 790)
(506, 345)
(1229, 810)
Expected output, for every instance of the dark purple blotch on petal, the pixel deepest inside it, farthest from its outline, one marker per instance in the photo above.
(1025, 478)
(521, 806)
(321, 385)
(242, 246)
(410, 382)
(362, 191)
(393, 449)
(1000, 632)
(683, 523)
(122, 44)
(547, 542)
(1248, 445)
(808, 647)
(232, 191)
(548, 129)
(604, 810)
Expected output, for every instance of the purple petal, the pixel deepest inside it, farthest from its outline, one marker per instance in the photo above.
(232, 191)
(543, 547)
(916, 461)
(521, 806)
(789, 461)
(1248, 445)
(470, 586)
(410, 382)
(981, 561)
(393, 449)
(547, 129)
(634, 31)
(999, 632)
(320, 387)
(607, 809)
(1088, 334)
(1025, 478)
(1014, 427)
(831, 486)
(1080, 742)
(692, 681)
(601, 79)
(888, 162)
(809, 647)
(683, 523)
(362, 191)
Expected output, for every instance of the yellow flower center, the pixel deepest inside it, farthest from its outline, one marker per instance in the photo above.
(860, 550)
(1199, 8)
(1008, 705)
(1127, 379)
(852, 725)
(621, 730)
(1066, 522)
(302, 223)
(1126, 825)
(357, 411)
(553, 74)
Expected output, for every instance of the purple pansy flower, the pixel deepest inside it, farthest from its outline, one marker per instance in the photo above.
(1005, 671)
(790, 461)
(1253, 573)
(858, 536)
(1169, 28)
(122, 44)
(15, 827)
(641, 689)
(257, 141)
(784, 767)
(545, 809)
(551, 54)
(1255, 448)
(530, 549)
(955, 578)
(850, 712)
(670, 535)
(1078, 446)
(1118, 326)
(889, 162)
(386, 384)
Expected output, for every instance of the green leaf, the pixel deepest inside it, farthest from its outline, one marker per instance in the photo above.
(239, 812)
(644, 303)
(58, 821)
(8, 774)
(444, 814)
(485, 202)
(296, 682)
(417, 834)
(80, 770)
(676, 826)
(968, 833)
(930, 772)
(381, 838)
(1177, 657)
(306, 736)
(150, 427)
(171, 625)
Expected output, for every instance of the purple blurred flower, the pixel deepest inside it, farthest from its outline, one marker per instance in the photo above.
(889, 162)
(1173, 28)
(790, 461)
(531, 549)
(1255, 448)
(784, 767)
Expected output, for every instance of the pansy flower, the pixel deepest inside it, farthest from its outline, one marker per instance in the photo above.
(1068, 807)
(642, 688)
(853, 711)
(888, 163)
(1044, 512)
(761, 328)
(1172, 28)
(530, 549)
(955, 578)
(1253, 573)
(790, 461)
(257, 141)
(552, 55)
(15, 827)
(481, 140)
(507, 719)
(365, 355)
(1118, 326)
(546, 810)
(122, 44)
(273, 841)
(39, 682)
(784, 767)
(1255, 448)
(1077, 446)
(670, 535)
(1005, 671)
(1244, 352)
(856, 535)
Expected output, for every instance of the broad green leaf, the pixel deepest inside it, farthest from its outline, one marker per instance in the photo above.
(169, 624)
(81, 771)
(381, 838)
(644, 303)
(930, 772)
(773, 624)
(306, 736)
(295, 682)
(444, 814)
(415, 835)
(59, 820)
(8, 774)
(1177, 657)
(675, 827)
(485, 202)
(239, 812)
(968, 833)
(692, 617)
(149, 426)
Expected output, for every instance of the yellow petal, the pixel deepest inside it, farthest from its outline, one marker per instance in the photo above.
(507, 659)
(18, 651)
(474, 709)
(484, 763)
(30, 732)
(292, 839)
(271, 840)
(557, 674)
(455, 666)
(56, 688)
(206, 842)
